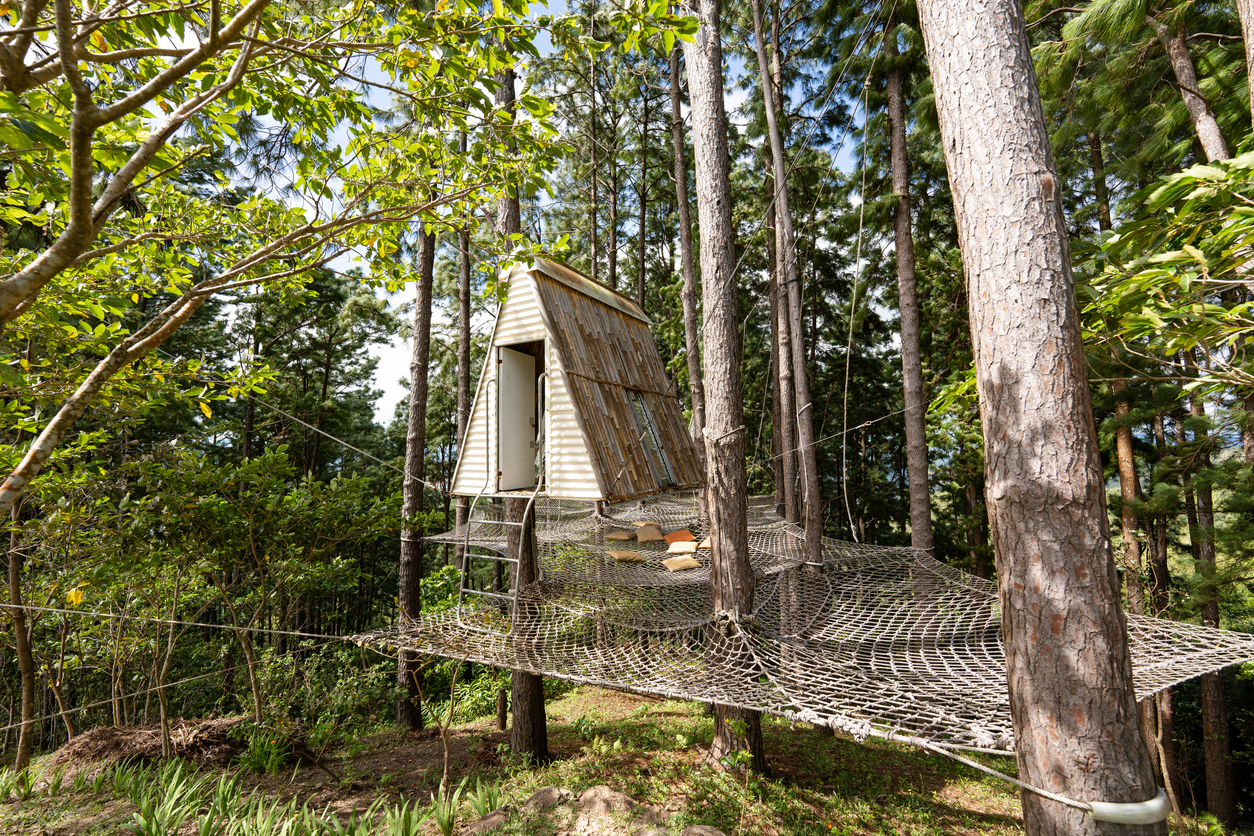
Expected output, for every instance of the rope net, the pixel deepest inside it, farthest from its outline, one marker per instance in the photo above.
(877, 641)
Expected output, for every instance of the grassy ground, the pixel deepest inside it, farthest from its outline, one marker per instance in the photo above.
(649, 749)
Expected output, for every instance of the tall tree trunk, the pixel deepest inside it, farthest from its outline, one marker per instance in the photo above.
(611, 232)
(592, 144)
(530, 732)
(409, 573)
(781, 342)
(644, 192)
(1130, 545)
(463, 365)
(21, 643)
(1068, 667)
(781, 349)
(915, 416)
(1245, 10)
(977, 547)
(1100, 191)
(688, 294)
(529, 736)
(1221, 798)
(1160, 585)
(731, 575)
(1130, 551)
(811, 505)
(1204, 122)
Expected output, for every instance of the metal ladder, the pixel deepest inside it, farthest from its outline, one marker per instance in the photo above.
(464, 589)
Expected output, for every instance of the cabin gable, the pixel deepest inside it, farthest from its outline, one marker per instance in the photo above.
(611, 423)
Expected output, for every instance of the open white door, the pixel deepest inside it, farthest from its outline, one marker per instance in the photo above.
(515, 420)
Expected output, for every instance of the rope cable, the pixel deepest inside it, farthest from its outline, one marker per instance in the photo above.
(63, 712)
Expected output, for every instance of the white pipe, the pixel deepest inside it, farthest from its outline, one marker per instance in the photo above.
(1141, 812)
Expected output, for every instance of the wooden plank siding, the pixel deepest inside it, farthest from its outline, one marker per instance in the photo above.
(598, 348)
(606, 353)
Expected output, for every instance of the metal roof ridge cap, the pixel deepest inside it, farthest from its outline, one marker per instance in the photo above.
(547, 265)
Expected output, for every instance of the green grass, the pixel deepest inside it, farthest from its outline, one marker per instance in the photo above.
(652, 751)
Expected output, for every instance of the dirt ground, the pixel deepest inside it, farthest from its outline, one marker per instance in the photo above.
(650, 749)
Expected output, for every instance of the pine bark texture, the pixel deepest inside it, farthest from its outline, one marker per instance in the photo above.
(22, 645)
(731, 575)
(1245, 10)
(1068, 667)
(529, 736)
(463, 362)
(1176, 43)
(811, 506)
(1221, 798)
(908, 305)
(688, 294)
(409, 572)
(1100, 192)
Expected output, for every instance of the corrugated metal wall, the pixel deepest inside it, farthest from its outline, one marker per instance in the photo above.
(571, 475)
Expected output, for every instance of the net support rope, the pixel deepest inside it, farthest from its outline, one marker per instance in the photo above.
(877, 641)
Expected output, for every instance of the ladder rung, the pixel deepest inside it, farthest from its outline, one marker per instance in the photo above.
(499, 595)
(495, 557)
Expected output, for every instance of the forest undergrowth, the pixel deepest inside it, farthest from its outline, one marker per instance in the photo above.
(382, 781)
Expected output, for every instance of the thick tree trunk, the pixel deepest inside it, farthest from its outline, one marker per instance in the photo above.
(688, 295)
(811, 505)
(409, 573)
(1205, 124)
(529, 737)
(915, 416)
(21, 644)
(1068, 667)
(1221, 798)
(731, 575)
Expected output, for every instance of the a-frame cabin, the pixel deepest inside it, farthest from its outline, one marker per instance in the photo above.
(573, 400)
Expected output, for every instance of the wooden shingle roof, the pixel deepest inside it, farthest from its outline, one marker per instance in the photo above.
(607, 352)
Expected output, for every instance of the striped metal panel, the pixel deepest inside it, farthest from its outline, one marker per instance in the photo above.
(571, 475)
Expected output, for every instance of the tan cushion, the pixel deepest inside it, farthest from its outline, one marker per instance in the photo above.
(627, 557)
(683, 547)
(620, 536)
(677, 564)
(649, 534)
(641, 523)
(705, 544)
(678, 536)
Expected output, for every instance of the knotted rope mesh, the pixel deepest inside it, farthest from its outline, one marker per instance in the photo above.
(877, 641)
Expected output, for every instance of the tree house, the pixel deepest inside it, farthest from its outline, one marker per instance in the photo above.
(573, 401)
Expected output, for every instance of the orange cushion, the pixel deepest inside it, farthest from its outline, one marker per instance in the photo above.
(679, 536)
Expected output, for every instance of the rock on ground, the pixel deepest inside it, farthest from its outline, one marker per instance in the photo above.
(597, 811)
